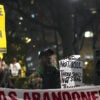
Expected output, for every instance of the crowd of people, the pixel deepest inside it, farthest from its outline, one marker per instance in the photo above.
(8, 71)
(46, 75)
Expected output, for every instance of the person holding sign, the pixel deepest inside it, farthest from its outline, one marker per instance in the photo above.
(47, 70)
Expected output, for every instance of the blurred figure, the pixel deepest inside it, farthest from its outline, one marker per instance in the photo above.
(47, 69)
(51, 58)
(5, 75)
(35, 81)
(15, 68)
(4, 65)
(0, 64)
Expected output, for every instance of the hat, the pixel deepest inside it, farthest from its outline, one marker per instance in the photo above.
(46, 52)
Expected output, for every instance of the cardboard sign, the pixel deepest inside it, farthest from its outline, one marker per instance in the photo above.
(3, 45)
(70, 73)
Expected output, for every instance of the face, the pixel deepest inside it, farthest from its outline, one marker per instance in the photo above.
(51, 60)
(14, 60)
(48, 60)
(42, 61)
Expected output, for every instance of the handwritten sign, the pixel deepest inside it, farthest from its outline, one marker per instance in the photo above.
(70, 72)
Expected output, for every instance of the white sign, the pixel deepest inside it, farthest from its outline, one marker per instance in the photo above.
(79, 93)
(70, 73)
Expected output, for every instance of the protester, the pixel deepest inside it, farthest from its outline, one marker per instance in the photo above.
(35, 81)
(15, 68)
(47, 70)
(4, 65)
(5, 75)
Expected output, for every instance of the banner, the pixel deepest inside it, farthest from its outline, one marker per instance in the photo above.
(3, 45)
(71, 72)
(79, 93)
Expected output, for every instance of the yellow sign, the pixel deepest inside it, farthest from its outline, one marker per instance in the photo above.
(1, 55)
(3, 44)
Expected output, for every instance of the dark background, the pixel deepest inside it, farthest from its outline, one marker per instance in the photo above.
(58, 24)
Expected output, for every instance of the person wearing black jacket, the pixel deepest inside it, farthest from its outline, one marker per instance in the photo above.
(47, 70)
(5, 77)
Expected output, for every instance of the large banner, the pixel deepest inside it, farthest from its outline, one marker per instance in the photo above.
(3, 46)
(79, 93)
(71, 72)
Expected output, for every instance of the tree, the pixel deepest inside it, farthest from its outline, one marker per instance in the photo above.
(50, 15)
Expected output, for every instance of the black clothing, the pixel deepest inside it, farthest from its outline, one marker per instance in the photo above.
(50, 78)
(5, 80)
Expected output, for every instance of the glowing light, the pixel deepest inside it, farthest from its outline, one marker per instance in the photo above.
(94, 12)
(27, 40)
(19, 23)
(33, 16)
(86, 63)
(21, 18)
(88, 34)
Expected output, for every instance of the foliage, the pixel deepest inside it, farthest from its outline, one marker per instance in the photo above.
(32, 82)
(88, 73)
(21, 83)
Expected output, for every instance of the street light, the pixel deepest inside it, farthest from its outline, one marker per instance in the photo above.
(88, 34)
